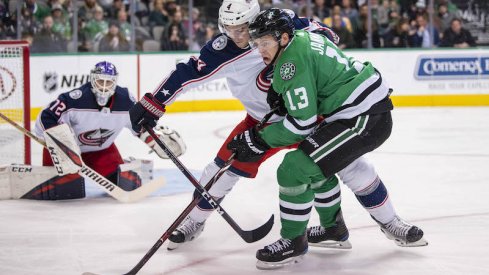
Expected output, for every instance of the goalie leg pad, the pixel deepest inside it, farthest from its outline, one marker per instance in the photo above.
(19, 181)
(66, 187)
(128, 180)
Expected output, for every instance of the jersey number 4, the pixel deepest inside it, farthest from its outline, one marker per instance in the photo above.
(302, 102)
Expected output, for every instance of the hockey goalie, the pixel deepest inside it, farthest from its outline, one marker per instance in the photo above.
(95, 114)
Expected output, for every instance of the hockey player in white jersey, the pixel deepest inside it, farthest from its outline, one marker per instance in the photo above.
(229, 56)
(96, 112)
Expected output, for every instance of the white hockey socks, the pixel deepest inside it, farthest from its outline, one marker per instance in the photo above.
(221, 188)
(361, 178)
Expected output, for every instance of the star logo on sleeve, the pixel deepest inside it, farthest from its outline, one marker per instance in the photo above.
(165, 92)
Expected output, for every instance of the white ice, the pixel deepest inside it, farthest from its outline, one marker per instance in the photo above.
(435, 166)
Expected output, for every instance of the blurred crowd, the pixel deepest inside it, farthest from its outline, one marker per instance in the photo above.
(169, 25)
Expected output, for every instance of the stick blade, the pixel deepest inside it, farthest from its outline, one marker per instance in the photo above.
(258, 233)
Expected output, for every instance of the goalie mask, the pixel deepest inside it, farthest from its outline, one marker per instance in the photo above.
(104, 80)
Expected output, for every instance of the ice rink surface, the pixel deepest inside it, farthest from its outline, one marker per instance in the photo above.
(435, 166)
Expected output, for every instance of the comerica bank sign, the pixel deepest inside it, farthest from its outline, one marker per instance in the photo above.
(451, 67)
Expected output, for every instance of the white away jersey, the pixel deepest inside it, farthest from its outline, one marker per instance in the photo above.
(247, 76)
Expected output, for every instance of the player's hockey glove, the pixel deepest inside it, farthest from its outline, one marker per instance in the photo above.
(276, 101)
(329, 33)
(146, 112)
(248, 146)
(170, 137)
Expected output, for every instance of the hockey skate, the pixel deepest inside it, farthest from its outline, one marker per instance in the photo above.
(331, 237)
(186, 232)
(402, 233)
(282, 253)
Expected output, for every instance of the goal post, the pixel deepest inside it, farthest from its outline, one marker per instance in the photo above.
(14, 101)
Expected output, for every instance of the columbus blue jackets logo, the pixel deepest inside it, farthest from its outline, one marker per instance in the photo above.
(75, 94)
(95, 137)
(50, 82)
(220, 43)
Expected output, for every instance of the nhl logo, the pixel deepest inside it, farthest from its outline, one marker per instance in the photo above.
(50, 82)
(220, 43)
(287, 71)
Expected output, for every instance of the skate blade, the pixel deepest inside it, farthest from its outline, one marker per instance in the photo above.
(420, 242)
(172, 246)
(276, 265)
(333, 244)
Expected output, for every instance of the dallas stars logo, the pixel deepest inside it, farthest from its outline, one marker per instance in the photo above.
(287, 71)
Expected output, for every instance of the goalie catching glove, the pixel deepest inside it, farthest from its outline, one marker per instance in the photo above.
(248, 146)
(170, 137)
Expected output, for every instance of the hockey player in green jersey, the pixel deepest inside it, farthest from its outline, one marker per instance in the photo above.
(313, 78)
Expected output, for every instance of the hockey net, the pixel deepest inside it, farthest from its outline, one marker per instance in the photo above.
(14, 101)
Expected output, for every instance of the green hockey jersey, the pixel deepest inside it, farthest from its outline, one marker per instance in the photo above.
(315, 78)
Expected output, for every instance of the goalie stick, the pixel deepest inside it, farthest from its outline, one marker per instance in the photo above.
(107, 186)
(264, 228)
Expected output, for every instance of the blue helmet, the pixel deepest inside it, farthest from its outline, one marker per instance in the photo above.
(103, 78)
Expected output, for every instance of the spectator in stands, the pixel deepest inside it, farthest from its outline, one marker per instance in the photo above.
(320, 10)
(173, 37)
(173, 40)
(210, 31)
(61, 25)
(348, 10)
(328, 21)
(38, 9)
(444, 18)
(87, 11)
(383, 15)
(346, 38)
(28, 22)
(124, 26)
(46, 40)
(401, 36)
(199, 30)
(423, 37)
(97, 27)
(360, 34)
(394, 6)
(158, 16)
(113, 9)
(114, 40)
(171, 7)
(456, 36)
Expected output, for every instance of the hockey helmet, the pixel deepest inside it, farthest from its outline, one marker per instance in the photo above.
(237, 12)
(103, 78)
(272, 22)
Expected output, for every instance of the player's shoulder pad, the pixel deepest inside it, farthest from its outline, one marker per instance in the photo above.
(123, 99)
(218, 50)
(80, 97)
(299, 22)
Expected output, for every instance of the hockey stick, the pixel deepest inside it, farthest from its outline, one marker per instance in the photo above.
(247, 236)
(107, 186)
(191, 206)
